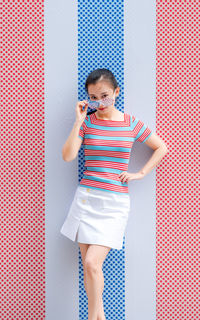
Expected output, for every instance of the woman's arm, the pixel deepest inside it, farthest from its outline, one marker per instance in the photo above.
(157, 144)
(73, 143)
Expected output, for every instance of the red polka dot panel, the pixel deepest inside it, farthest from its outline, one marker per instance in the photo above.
(22, 166)
(177, 176)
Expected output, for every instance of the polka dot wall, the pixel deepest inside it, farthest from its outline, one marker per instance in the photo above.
(22, 166)
(101, 45)
(177, 178)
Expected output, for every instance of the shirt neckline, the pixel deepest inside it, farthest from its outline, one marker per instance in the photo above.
(97, 119)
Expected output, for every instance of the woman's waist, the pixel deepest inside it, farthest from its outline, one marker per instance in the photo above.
(104, 176)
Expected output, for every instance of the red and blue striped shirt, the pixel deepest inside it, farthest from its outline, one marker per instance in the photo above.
(107, 148)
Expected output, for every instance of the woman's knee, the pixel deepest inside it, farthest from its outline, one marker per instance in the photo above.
(95, 257)
(91, 266)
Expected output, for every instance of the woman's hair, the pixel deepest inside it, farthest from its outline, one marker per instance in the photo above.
(99, 75)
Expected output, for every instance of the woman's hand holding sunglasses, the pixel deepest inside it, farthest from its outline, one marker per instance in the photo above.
(80, 113)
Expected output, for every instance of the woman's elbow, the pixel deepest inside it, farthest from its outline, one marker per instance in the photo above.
(70, 153)
(68, 158)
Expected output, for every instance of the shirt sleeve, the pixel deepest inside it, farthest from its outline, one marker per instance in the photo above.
(141, 132)
(82, 129)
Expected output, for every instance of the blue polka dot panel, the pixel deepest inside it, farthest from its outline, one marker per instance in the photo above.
(101, 45)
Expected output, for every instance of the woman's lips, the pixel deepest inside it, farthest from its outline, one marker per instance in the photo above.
(102, 108)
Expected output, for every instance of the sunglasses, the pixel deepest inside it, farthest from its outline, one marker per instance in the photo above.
(96, 104)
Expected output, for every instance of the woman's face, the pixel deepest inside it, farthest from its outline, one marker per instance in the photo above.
(102, 90)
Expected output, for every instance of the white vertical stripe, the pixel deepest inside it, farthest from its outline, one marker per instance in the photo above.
(61, 177)
(140, 95)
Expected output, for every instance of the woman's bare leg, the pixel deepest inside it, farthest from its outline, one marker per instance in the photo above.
(93, 257)
(83, 249)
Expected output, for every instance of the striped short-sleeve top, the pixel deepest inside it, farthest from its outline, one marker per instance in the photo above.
(107, 146)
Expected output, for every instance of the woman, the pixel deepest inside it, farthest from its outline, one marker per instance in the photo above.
(99, 212)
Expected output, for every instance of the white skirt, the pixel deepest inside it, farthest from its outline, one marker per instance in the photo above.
(97, 217)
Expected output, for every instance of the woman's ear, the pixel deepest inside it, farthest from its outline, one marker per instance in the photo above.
(117, 92)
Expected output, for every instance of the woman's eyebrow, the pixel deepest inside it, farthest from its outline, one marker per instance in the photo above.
(92, 94)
